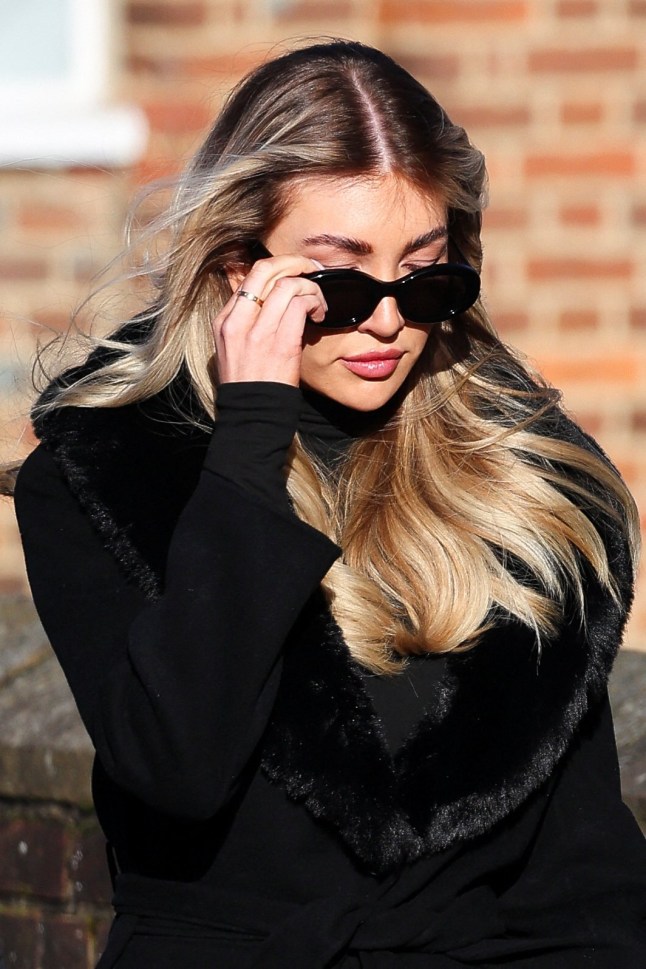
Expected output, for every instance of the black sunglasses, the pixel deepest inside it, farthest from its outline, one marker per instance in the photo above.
(432, 294)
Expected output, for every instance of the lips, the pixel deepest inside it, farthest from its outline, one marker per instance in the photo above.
(376, 355)
(375, 364)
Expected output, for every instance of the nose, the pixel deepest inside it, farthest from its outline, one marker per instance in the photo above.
(386, 321)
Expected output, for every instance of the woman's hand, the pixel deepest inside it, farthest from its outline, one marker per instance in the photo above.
(264, 340)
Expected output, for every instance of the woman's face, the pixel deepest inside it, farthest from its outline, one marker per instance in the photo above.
(383, 226)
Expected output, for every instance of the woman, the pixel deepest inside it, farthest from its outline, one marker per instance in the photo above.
(343, 651)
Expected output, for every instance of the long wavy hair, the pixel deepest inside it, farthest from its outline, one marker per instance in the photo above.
(467, 502)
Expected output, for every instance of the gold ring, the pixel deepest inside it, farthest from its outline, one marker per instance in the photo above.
(248, 295)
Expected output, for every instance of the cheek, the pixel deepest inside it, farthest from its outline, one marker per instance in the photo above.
(313, 361)
(319, 349)
(418, 340)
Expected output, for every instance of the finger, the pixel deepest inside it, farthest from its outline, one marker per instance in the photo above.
(244, 314)
(244, 310)
(305, 295)
(259, 282)
(287, 308)
(265, 273)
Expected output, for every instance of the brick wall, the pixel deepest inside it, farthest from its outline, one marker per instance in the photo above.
(54, 889)
(551, 90)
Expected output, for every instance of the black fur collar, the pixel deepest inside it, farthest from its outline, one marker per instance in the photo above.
(500, 720)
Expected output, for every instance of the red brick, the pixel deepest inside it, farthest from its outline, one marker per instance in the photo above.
(578, 320)
(34, 856)
(577, 8)
(28, 437)
(143, 64)
(590, 422)
(215, 66)
(89, 869)
(85, 268)
(67, 942)
(548, 268)
(22, 270)
(11, 587)
(313, 10)
(45, 217)
(235, 64)
(22, 939)
(151, 169)
(511, 322)
(593, 59)
(51, 319)
(598, 370)
(492, 115)
(638, 421)
(629, 471)
(613, 163)
(452, 11)
(177, 117)
(101, 932)
(590, 112)
(498, 217)
(92, 172)
(179, 14)
(580, 215)
(440, 67)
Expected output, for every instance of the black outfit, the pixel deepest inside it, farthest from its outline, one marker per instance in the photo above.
(255, 428)
(268, 802)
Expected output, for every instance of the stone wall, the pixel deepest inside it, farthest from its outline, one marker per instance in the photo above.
(54, 885)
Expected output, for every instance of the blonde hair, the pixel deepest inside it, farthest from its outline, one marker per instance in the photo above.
(469, 500)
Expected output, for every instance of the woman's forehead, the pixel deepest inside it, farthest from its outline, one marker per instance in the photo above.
(359, 212)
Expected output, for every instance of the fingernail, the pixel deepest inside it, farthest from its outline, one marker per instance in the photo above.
(317, 263)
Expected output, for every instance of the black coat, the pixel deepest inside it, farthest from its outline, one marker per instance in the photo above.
(242, 776)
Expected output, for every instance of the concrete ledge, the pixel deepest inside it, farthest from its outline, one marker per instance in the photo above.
(46, 754)
(627, 696)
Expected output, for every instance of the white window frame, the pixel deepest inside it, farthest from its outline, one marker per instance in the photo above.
(68, 121)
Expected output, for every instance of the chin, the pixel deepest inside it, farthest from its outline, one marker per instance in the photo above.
(370, 396)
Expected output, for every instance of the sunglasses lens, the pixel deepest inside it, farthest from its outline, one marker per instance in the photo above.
(425, 296)
(432, 299)
(348, 302)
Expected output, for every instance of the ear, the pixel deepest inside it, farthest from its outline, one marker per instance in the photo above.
(238, 264)
(235, 275)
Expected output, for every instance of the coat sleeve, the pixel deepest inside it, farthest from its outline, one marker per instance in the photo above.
(579, 898)
(175, 694)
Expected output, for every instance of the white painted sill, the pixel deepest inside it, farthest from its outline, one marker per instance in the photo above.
(111, 137)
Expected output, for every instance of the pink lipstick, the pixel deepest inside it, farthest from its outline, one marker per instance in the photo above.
(375, 364)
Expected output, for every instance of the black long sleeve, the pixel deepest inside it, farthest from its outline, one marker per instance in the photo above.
(256, 422)
(175, 694)
(256, 425)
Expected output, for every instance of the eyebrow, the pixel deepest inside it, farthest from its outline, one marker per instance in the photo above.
(357, 247)
(427, 238)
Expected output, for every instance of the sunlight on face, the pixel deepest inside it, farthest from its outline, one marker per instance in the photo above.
(380, 225)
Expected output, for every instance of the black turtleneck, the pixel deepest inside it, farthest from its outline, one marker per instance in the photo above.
(256, 424)
(329, 428)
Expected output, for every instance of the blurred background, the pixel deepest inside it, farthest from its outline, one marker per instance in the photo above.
(101, 98)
